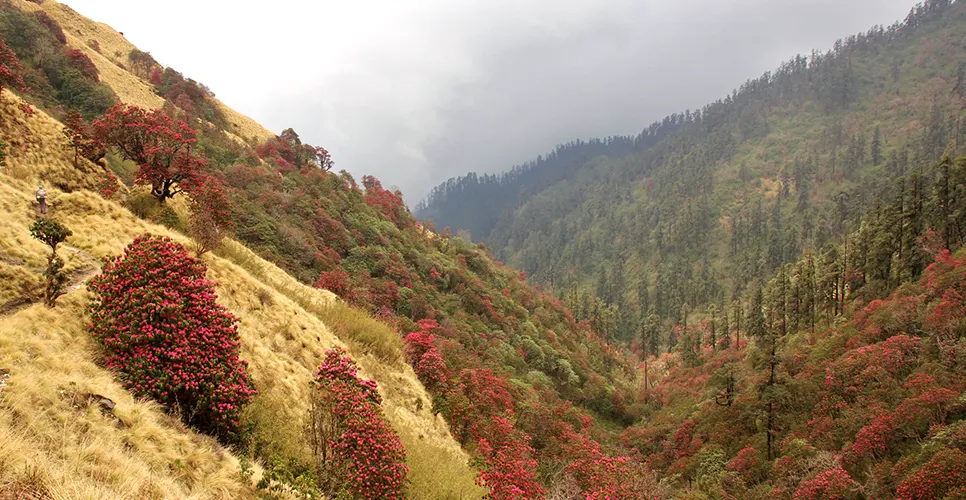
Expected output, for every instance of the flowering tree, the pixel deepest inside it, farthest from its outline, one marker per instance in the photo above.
(10, 69)
(425, 357)
(937, 478)
(166, 336)
(210, 214)
(355, 449)
(833, 484)
(79, 60)
(161, 147)
(11, 73)
(79, 137)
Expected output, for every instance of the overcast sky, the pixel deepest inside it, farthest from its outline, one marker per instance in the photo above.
(418, 91)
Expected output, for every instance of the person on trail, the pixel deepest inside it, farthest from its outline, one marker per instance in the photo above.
(42, 199)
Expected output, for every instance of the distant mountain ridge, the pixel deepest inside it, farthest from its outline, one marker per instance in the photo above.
(870, 110)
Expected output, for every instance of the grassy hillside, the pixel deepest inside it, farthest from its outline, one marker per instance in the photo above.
(53, 435)
(110, 52)
(500, 359)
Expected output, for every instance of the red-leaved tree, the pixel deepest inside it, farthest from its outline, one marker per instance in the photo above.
(356, 450)
(425, 358)
(79, 60)
(166, 336)
(940, 476)
(210, 213)
(10, 69)
(79, 137)
(11, 74)
(161, 147)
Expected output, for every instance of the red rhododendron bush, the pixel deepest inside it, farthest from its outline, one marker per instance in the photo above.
(356, 450)
(167, 338)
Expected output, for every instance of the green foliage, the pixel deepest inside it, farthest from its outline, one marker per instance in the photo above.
(52, 233)
(51, 78)
(49, 231)
(704, 203)
(142, 204)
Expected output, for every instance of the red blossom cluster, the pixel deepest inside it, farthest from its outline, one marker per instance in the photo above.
(388, 202)
(79, 137)
(79, 60)
(107, 185)
(747, 464)
(357, 450)
(211, 216)
(944, 476)
(833, 484)
(424, 357)
(11, 71)
(166, 336)
(610, 478)
(159, 145)
(288, 153)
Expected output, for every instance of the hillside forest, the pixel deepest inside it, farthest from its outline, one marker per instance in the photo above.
(759, 299)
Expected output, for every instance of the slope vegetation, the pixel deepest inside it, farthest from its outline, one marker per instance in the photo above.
(58, 438)
(790, 162)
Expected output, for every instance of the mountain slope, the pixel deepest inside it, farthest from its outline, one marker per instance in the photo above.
(500, 359)
(111, 55)
(53, 435)
(790, 162)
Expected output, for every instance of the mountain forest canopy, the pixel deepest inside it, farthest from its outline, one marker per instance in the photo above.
(762, 298)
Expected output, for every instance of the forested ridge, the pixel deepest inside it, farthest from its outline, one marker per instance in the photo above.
(790, 162)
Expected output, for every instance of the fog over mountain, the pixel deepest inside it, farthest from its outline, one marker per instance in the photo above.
(420, 91)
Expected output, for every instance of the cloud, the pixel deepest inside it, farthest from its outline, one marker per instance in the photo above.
(419, 91)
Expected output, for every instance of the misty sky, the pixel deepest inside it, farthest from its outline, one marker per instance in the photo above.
(418, 91)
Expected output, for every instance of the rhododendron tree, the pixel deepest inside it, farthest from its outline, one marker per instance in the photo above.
(79, 60)
(356, 450)
(509, 467)
(424, 356)
(11, 74)
(944, 473)
(159, 145)
(833, 484)
(79, 138)
(11, 71)
(167, 338)
(210, 214)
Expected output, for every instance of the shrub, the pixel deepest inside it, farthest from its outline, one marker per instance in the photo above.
(944, 473)
(210, 214)
(833, 484)
(166, 336)
(52, 233)
(11, 70)
(48, 22)
(356, 451)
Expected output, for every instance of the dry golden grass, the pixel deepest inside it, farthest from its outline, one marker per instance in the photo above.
(129, 88)
(284, 334)
(49, 427)
(37, 150)
(53, 440)
(79, 31)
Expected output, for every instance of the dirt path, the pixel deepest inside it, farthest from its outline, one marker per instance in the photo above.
(75, 280)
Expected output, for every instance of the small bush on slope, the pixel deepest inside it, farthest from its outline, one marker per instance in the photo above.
(356, 451)
(156, 316)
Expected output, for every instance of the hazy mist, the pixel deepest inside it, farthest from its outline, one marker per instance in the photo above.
(421, 92)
